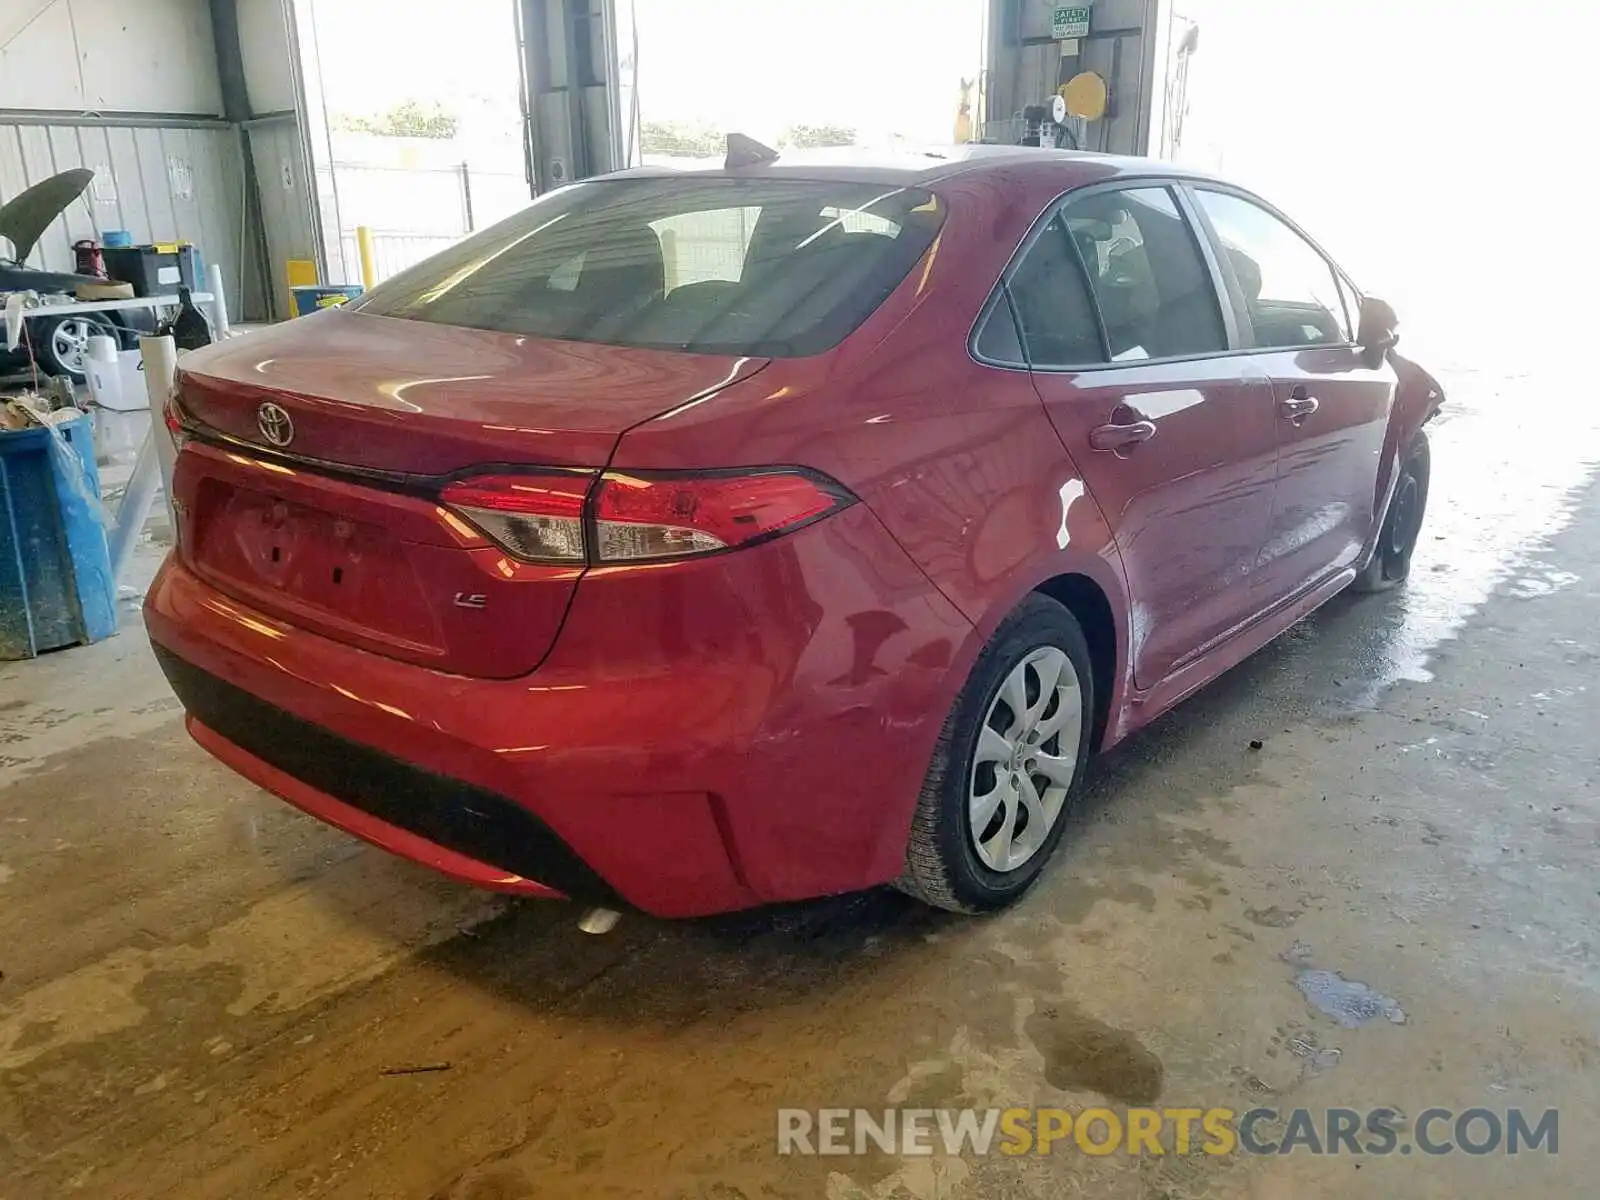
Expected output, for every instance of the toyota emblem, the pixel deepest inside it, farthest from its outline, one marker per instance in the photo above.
(275, 424)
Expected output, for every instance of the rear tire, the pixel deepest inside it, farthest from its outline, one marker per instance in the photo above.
(1402, 524)
(1007, 766)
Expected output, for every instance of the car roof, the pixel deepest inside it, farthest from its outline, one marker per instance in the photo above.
(917, 166)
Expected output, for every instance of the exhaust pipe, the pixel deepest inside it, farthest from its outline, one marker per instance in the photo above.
(599, 920)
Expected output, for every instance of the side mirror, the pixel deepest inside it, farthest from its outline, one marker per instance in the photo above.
(1379, 332)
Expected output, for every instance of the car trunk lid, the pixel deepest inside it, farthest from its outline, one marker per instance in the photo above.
(322, 509)
(390, 395)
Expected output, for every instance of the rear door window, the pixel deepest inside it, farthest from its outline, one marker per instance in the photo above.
(771, 267)
(1153, 289)
(1113, 276)
(1059, 326)
(998, 342)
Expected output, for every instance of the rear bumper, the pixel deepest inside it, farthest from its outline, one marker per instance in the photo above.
(748, 728)
(463, 831)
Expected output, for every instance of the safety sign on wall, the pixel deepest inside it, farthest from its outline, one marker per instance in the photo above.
(1069, 21)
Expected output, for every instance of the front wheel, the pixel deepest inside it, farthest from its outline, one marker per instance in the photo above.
(1007, 765)
(1402, 524)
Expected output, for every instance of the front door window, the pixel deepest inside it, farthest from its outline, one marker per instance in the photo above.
(1290, 292)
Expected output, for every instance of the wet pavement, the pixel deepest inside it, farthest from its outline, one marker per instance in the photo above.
(1391, 902)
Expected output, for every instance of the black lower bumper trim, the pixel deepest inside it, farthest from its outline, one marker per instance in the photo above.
(448, 812)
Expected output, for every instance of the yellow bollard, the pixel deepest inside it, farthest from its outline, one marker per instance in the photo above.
(369, 273)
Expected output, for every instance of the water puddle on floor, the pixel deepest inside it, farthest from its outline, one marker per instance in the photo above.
(1501, 486)
(1540, 579)
(1348, 1001)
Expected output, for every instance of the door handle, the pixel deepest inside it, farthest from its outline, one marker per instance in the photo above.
(1299, 405)
(1120, 437)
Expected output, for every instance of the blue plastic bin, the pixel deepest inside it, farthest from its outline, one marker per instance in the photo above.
(56, 587)
(308, 300)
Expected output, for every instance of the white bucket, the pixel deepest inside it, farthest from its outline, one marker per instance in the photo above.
(115, 382)
(118, 435)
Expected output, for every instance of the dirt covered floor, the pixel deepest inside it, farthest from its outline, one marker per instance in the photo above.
(1391, 902)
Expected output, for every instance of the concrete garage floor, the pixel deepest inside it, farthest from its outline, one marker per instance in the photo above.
(202, 989)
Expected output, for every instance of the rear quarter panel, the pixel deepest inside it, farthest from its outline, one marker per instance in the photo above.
(957, 459)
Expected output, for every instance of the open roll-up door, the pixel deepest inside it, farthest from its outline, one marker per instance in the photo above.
(571, 110)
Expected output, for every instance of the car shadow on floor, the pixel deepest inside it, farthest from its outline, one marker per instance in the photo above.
(678, 972)
(674, 973)
(688, 972)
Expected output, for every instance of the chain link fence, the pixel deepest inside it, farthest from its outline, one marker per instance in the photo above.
(415, 212)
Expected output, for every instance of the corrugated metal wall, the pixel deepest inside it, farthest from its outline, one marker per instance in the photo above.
(149, 56)
(160, 184)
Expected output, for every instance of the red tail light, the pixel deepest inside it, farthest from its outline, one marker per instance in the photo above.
(172, 416)
(644, 517)
(637, 517)
(536, 517)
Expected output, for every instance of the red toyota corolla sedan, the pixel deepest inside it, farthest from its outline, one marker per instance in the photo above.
(692, 541)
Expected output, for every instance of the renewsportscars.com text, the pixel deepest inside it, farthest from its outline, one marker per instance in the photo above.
(1155, 1131)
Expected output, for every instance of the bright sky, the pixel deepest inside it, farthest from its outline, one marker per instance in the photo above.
(1416, 140)
(376, 53)
(879, 65)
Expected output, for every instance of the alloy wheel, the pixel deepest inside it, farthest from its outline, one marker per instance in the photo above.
(1025, 760)
(69, 342)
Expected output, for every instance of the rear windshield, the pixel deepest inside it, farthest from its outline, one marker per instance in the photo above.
(719, 266)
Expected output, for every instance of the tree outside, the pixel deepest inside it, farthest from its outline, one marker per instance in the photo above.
(682, 139)
(409, 118)
(816, 137)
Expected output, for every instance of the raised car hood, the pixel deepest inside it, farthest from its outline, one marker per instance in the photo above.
(25, 217)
